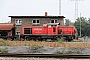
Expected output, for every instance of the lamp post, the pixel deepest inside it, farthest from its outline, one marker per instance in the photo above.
(80, 24)
(59, 7)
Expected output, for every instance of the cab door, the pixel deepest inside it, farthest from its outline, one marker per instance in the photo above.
(54, 30)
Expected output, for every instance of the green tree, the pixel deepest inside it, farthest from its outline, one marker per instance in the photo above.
(89, 20)
(67, 22)
(83, 25)
(86, 30)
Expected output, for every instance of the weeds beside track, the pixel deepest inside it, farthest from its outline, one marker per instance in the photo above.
(43, 43)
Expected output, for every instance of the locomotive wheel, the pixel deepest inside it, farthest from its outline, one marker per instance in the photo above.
(26, 38)
(73, 37)
(70, 38)
(43, 39)
(36, 39)
(54, 40)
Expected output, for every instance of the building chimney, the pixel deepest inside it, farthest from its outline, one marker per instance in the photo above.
(45, 13)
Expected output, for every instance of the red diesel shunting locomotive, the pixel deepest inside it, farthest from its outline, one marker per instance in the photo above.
(52, 32)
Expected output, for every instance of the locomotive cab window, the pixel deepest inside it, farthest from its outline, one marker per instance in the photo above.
(35, 22)
(18, 22)
(53, 21)
(27, 31)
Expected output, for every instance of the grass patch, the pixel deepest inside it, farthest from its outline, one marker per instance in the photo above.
(61, 40)
(59, 52)
(73, 52)
(68, 52)
(35, 46)
(2, 42)
(2, 50)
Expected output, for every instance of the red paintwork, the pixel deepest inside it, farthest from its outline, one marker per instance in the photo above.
(39, 30)
(66, 30)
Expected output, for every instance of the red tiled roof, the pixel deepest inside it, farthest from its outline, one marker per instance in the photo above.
(6, 26)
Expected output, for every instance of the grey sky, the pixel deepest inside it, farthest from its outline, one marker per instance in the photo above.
(38, 7)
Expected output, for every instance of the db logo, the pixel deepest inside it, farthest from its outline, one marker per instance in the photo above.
(37, 29)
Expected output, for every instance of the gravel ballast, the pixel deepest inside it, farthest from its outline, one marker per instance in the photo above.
(43, 50)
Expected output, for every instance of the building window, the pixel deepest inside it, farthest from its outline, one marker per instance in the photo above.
(35, 22)
(18, 22)
(54, 21)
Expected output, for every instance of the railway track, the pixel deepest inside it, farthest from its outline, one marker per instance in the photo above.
(79, 56)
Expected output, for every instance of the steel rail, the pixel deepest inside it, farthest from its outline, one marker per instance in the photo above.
(45, 55)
